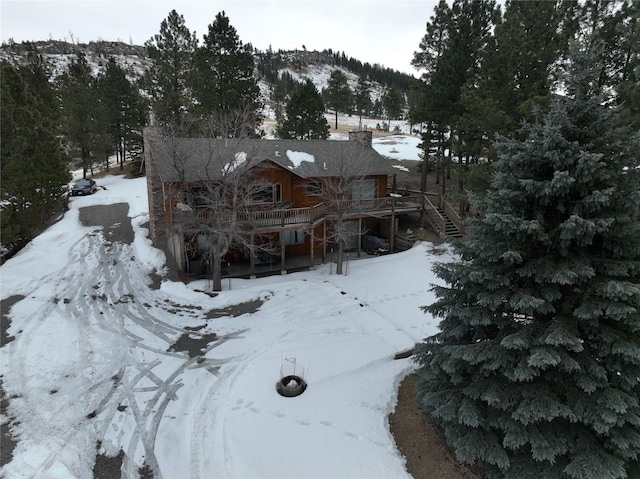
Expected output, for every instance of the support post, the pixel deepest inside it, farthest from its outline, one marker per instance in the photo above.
(282, 254)
(311, 243)
(252, 258)
(392, 233)
(324, 242)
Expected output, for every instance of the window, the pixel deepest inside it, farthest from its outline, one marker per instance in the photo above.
(314, 188)
(294, 237)
(266, 193)
(365, 189)
(262, 194)
(202, 195)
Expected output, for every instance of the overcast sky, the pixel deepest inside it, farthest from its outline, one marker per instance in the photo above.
(387, 32)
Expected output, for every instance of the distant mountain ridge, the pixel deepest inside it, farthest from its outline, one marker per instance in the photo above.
(271, 66)
(132, 58)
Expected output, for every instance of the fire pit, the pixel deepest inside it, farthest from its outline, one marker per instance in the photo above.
(291, 386)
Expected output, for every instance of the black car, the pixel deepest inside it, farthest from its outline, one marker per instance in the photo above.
(374, 245)
(84, 187)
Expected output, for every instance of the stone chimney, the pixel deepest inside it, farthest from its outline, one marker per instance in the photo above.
(364, 137)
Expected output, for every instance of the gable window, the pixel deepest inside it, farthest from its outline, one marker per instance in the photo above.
(294, 237)
(266, 193)
(314, 188)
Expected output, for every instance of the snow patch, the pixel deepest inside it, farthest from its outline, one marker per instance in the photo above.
(240, 158)
(297, 157)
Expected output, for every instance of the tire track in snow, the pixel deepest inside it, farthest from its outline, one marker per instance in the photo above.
(96, 293)
(147, 419)
(54, 436)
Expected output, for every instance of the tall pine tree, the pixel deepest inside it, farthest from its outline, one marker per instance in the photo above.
(167, 79)
(393, 101)
(338, 94)
(124, 108)
(223, 79)
(535, 372)
(362, 98)
(34, 169)
(529, 39)
(304, 116)
(82, 113)
(617, 26)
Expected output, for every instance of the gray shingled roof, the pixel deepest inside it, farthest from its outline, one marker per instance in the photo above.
(197, 159)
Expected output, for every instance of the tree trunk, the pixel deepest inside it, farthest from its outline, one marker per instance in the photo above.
(216, 271)
(462, 174)
(340, 257)
(423, 176)
(336, 119)
(85, 162)
(122, 153)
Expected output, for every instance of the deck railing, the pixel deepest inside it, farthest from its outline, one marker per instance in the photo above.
(435, 218)
(280, 217)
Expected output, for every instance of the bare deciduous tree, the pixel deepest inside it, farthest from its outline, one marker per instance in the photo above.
(220, 209)
(347, 194)
(219, 185)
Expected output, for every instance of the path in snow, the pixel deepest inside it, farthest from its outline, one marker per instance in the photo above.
(122, 391)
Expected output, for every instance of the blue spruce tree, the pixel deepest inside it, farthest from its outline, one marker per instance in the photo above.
(535, 372)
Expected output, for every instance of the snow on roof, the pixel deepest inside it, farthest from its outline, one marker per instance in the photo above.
(240, 158)
(297, 157)
(197, 159)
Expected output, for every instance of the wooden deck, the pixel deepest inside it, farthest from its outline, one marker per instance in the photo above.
(294, 218)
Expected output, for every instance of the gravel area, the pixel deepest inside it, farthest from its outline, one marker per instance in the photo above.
(425, 449)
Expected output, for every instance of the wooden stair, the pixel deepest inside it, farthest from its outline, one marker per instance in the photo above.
(437, 214)
(450, 230)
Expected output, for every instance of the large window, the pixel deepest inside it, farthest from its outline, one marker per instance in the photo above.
(266, 193)
(365, 189)
(314, 188)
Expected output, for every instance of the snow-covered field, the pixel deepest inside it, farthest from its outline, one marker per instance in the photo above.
(97, 359)
(399, 146)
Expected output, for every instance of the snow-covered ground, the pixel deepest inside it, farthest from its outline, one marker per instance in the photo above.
(97, 359)
(400, 146)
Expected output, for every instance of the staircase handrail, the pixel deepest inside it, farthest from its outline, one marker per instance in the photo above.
(444, 204)
(453, 216)
(432, 211)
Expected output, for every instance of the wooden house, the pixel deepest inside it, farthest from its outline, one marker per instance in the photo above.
(285, 200)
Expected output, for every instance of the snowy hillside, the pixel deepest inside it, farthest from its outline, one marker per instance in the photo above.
(132, 58)
(319, 74)
(301, 65)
